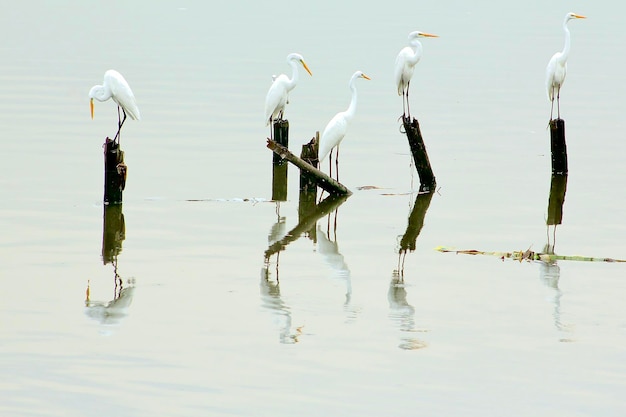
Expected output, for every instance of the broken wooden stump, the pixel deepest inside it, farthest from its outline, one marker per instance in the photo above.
(279, 166)
(307, 201)
(558, 146)
(420, 156)
(322, 180)
(114, 172)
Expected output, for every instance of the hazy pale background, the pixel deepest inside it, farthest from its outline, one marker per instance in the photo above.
(205, 334)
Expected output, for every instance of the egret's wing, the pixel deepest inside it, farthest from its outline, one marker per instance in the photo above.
(276, 97)
(333, 135)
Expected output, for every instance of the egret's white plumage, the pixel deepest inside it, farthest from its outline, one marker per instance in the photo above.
(557, 67)
(115, 87)
(337, 127)
(278, 94)
(406, 60)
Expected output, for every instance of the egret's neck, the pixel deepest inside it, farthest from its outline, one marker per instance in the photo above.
(567, 45)
(294, 75)
(417, 49)
(100, 93)
(352, 107)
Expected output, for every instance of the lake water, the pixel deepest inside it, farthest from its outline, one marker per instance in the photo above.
(202, 324)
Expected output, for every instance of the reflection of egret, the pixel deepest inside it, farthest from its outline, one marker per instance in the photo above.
(271, 299)
(557, 67)
(333, 258)
(550, 273)
(278, 94)
(111, 312)
(337, 127)
(115, 87)
(402, 312)
(405, 65)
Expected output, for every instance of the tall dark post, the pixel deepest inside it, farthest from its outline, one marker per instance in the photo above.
(307, 202)
(558, 146)
(420, 156)
(114, 172)
(279, 166)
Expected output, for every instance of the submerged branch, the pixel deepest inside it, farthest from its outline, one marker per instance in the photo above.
(529, 255)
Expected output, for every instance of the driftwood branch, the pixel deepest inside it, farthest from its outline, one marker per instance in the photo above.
(323, 180)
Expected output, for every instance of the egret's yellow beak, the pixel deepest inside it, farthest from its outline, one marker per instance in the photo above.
(430, 35)
(366, 77)
(579, 16)
(306, 67)
(91, 107)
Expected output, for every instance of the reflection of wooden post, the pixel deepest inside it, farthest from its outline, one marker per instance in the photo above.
(416, 222)
(279, 166)
(114, 172)
(113, 232)
(308, 187)
(420, 157)
(558, 146)
(558, 187)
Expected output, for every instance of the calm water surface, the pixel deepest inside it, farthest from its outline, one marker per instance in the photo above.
(203, 324)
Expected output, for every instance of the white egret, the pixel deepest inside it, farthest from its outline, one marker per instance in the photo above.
(557, 67)
(115, 87)
(337, 127)
(278, 94)
(406, 60)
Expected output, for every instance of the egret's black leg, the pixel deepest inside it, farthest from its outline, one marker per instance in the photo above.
(408, 107)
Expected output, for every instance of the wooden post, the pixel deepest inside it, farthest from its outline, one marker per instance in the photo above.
(558, 146)
(420, 156)
(322, 180)
(558, 187)
(279, 166)
(307, 202)
(114, 172)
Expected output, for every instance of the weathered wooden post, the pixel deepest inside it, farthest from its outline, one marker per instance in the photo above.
(323, 181)
(279, 166)
(114, 172)
(308, 187)
(558, 146)
(420, 156)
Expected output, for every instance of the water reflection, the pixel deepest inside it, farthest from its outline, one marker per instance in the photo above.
(271, 300)
(113, 234)
(408, 241)
(329, 249)
(305, 224)
(549, 271)
(403, 314)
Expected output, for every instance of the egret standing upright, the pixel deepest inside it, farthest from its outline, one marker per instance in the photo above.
(336, 129)
(557, 67)
(278, 94)
(116, 88)
(406, 60)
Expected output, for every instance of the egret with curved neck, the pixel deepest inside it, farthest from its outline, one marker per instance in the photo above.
(557, 67)
(338, 126)
(406, 60)
(278, 94)
(115, 87)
